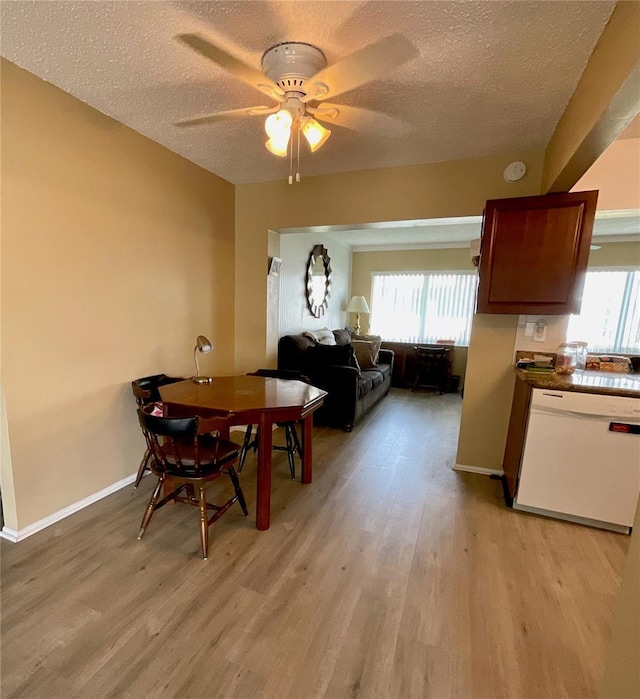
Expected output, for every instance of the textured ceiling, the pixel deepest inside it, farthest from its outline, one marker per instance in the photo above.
(490, 77)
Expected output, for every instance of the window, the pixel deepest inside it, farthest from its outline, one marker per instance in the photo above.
(423, 307)
(610, 317)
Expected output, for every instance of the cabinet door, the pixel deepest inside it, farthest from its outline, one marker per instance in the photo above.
(534, 253)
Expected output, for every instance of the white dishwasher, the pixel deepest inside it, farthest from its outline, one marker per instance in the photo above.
(581, 458)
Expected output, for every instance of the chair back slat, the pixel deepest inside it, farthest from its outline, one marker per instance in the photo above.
(175, 442)
(170, 440)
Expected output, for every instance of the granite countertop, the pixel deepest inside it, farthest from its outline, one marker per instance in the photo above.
(603, 382)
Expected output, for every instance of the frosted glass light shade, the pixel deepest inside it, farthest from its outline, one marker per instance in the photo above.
(315, 133)
(278, 125)
(277, 147)
(278, 128)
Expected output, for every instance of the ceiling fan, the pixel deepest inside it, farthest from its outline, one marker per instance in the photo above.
(297, 79)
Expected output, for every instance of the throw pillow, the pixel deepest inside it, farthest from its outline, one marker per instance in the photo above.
(324, 336)
(320, 356)
(343, 337)
(365, 353)
(375, 339)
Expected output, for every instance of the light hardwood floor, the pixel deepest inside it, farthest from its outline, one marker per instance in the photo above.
(389, 576)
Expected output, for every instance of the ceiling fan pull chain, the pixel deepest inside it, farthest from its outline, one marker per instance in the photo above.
(290, 161)
(298, 168)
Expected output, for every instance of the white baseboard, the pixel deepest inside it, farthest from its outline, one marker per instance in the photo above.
(18, 535)
(479, 469)
(619, 528)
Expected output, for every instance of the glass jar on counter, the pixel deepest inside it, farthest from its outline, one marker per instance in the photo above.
(581, 355)
(566, 358)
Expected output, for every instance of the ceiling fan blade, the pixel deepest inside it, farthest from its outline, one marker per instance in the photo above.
(363, 120)
(360, 67)
(227, 114)
(233, 65)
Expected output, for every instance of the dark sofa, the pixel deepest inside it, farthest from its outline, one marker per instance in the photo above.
(352, 390)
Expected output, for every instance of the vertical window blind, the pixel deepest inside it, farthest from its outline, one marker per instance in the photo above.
(609, 320)
(423, 307)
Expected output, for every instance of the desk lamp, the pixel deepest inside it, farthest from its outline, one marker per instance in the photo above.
(357, 305)
(202, 345)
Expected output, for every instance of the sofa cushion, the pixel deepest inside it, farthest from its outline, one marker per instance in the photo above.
(366, 353)
(384, 369)
(377, 379)
(365, 382)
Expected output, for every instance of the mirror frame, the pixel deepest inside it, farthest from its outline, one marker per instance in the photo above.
(317, 307)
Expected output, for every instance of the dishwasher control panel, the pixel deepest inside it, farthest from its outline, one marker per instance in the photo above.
(586, 403)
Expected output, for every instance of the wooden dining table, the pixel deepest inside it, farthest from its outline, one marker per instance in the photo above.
(253, 400)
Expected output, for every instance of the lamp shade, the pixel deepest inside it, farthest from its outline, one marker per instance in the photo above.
(358, 304)
(203, 345)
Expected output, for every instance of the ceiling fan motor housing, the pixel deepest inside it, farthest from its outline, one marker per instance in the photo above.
(291, 63)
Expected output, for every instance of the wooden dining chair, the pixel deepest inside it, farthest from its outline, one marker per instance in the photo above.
(146, 391)
(433, 368)
(186, 454)
(292, 443)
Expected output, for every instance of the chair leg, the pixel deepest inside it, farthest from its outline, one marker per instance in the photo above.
(236, 486)
(150, 508)
(204, 522)
(296, 439)
(245, 447)
(144, 465)
(290, 451)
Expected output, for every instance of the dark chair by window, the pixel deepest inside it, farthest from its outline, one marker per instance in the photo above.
(146, 391)
(187, 452)
(433, 368)
(292, 442)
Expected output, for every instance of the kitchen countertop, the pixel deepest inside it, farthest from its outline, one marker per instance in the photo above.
(604, 382)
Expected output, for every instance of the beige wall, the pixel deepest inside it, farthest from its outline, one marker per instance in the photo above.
(116, 253)
(488, 391)
(615, 255)
(616, 174)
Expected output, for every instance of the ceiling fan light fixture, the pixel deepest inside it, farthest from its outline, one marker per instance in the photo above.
(278, 128)
(315, 133)
(278, 125)
(278, 146)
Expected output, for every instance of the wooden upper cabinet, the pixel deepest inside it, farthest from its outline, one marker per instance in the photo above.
(534, 253)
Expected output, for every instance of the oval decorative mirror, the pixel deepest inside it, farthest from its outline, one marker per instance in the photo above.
(318, 280)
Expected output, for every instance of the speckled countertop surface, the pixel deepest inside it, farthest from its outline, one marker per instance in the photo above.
(603, 382)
